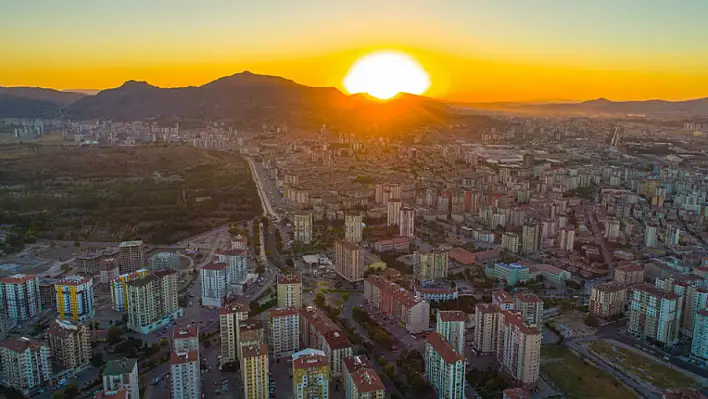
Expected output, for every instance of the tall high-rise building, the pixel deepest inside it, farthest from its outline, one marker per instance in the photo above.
(566, 239)
(237, 261)
(214, 280)
(699, 342)
(451, 325)
(152, 301)
(164, 260)
(185, 338)
(406, 227)
(486, 326)
(255, 372)
(380, 193)
(284, 331)
(230, 318)
(629, 274)
(650, 235)
(353, 226)
(672, 236)
(347, 260)
(393, 216)
(430, 265)
(530, 241)
(361, 380)
(444, 368)
(75, 298)
(395, 301)
(290, 291)
(131, 256)
(528, 160)
(612, 228)
(607, 299)
(302, 227)
(70, 344)
(531, 308)
(395, 192)
(20, 296)
(26, 365)
(311, 374)
(122, 374)
(510, 242)
(519, 348)
(654, 313)
(119, 291)
(185, 382)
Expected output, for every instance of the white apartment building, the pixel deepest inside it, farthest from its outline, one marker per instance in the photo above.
(430, 265)
(131, 256)
(650, 234)
(654, 313)
(237, 261)
(566, 239)
(302, 227)
(290, 291)
(70, 344)
(184, 375)
(353, 226)
(531, 308)
(451, 325)
(122, 374)
(26, 365)
(20, 295)
(230, 318)
(214, 280)
(284, 331)
(699, 343)
(486, 326)
(392, 300)
(393, 216)
(607, 299)
(361, 380)
(519, 348)
(510, 242)
(185, 338)
(444, 368)
(406, 227)
(612, 228)
(348, 261)
(119, 289)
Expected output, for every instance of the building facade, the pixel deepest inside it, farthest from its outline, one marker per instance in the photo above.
(255, 372)
(406, 228)
(353, 226)
(284, 331)
(164, 260)
(530, 306)
(394, 301)
(311, 374)
(699, 342)
(302, 227)
(26, 365)
(348, 261)
(21, 298)
(444, 368)
(230, 318)
(119, 290)
(519, 348)
(214, 281)
(607, 299)
(361, 380)
(451, 325)
(131, 256)
(629, 274)
(654, 313)
(290, 291)
(69, 344)
(185, 381)
(122, 374)
(75, 298)
(431, 265)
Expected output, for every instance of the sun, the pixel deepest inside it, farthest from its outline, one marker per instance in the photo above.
(385, 74)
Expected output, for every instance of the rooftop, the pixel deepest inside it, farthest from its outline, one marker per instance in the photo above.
(184, 357)
(119, 394)
(183, 332)
(443, 348)
(289, 279)
(130, 244)
(281, 312)
(654, 291)
(215, 266)
(21, 344)
(18, 278)
(308, 359)
(255, 350)
(363, 374)
(452, 315)
(143, 281)
(74, 280)
(120, 366)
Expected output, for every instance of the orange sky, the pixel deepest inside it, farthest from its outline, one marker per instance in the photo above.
(511, 50)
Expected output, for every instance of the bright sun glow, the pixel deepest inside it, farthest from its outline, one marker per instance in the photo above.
(385, 74)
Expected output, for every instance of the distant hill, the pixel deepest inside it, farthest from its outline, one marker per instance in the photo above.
(688, 108)
(249, 98)
(34, 102)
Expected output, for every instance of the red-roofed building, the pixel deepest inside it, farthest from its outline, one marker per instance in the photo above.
(361, 380)
(444, 368)
(21, 297)
(185, 337)
(395, 301)
(284, 331)
(184, 374)
(214, 280)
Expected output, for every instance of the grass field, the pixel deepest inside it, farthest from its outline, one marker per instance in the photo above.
(642, 367)
(578, 379)
(160, 194)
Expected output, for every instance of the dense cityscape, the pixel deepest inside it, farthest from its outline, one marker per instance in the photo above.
(541, 257)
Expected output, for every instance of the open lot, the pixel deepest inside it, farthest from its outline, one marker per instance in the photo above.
(160, 194)
(642, 367)
(577, 378)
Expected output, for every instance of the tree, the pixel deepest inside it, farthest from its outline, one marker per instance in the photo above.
(77, 243)
(97, 360)
(320, 300)
(207, 343)
(591, 320)
(260, 269)
(115, 335)
(566, 306)
(390, 370)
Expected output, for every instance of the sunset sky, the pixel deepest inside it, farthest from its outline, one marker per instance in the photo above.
(474, 50)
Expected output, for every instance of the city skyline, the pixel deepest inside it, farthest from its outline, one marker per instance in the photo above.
(474, 51)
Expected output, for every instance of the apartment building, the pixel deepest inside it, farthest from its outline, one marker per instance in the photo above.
(393, 215)
(230, 318)
(612, 228)
(406, 227)
(319, 332)
(353, 226)
(530, 306)
(185, 382)
(164, 260)
(69, 345)
(290, 291)
(119, 291)
(361, 380)
(302, 227)
(48, 292)
(185, 338)
(608, 299)
(255, 372)
(75, 298)
(629, 274)
(699, 342)
(451, 325)
(444, 368)
(486, 326)
(530, 242)
(152, 301)
(214, 281)
(26, 365)
(510, 242)
(237, 270)
(393, 300)
(566, 239)
(122, 374)
(311, 374)
(348, 261)
(283, 331)
(20, 296)
(131, 256)
(519, 347)
(654, 313)
(430, 265)
(503, 300)
(89, 263)
(251, 332)
(650, 235)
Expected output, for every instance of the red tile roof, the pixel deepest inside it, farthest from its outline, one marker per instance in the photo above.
(281, 312)
(363, 374)
(215, 266)
(289, 279)
(310, 360)
(188, 331)
(452, 315)
(184, 357)
(18, 278)
(443, 348)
